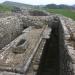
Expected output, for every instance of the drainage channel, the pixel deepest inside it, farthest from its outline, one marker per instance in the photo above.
(49, 63)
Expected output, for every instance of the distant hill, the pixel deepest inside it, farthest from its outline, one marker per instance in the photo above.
(4, 8)
(74, 5)
(16, 4)
(61, 6)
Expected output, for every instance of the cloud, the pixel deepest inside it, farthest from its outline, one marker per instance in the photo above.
(40, 2)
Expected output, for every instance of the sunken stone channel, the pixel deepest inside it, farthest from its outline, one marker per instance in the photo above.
(55, 54)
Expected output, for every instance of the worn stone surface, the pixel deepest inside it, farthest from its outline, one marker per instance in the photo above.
(67, 60)
(15, 61)
(12, 26)
(27, 30)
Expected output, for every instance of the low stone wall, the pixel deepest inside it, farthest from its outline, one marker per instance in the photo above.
(12, 26)
(36, 20)
(66, 63)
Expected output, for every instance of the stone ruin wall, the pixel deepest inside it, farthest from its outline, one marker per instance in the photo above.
(67, 43)
(12, 26)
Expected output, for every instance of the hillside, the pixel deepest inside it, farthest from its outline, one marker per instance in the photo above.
(16, 4)
(74, 5)
(61, 6)
(4, 8)
(65, 12)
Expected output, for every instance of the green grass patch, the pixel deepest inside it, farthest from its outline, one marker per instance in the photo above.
(66, 12)
(4, 8)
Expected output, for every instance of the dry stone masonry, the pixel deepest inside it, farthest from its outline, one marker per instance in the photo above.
(37, 44)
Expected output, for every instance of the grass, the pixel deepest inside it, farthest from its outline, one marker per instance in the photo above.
(66, 12)
(4, 8)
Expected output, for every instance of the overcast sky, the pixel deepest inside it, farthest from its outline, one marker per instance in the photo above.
(43, 2)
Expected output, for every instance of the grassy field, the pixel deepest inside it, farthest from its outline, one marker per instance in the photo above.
(65, 12)
(4, 8)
